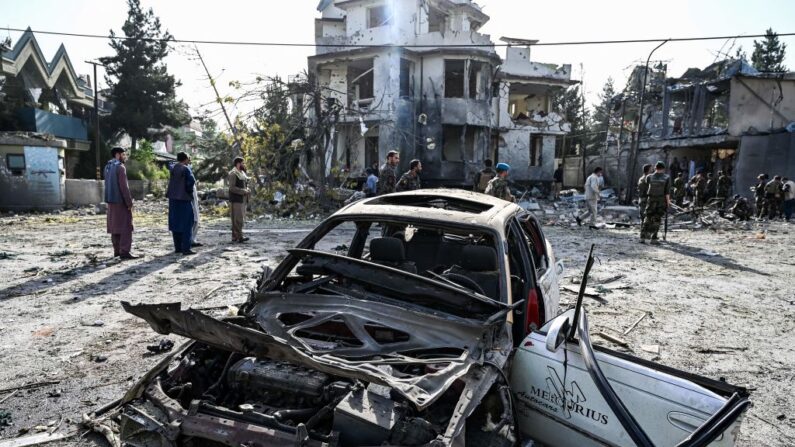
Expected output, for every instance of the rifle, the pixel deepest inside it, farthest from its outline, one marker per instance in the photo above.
(665, 229)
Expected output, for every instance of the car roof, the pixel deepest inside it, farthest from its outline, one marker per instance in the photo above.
(476, 208)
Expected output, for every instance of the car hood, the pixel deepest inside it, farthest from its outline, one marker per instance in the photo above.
(415, 352)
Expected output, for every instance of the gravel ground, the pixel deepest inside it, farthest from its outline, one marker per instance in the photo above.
(720, 303)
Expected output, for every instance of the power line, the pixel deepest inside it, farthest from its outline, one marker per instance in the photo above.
(472, 45)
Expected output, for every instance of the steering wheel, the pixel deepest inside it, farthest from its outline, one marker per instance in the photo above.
(462, 280)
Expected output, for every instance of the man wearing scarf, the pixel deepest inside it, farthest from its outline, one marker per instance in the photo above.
(120, 204)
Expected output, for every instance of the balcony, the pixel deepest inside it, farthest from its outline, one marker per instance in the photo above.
(61, 126)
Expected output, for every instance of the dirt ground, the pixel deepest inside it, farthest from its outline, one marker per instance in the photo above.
(720, 304)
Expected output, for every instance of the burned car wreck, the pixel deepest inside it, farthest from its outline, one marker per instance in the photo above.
(422, 329)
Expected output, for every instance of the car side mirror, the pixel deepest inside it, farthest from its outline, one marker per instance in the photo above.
(559, 268)
(557, 332)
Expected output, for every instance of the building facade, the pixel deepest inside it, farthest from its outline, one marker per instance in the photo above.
(448, 99)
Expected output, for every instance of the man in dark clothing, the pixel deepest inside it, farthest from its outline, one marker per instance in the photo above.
(557, 182)
(180, 204)
(773, 197)
(238, 198)
(724, 188)
(120, 204)
(711, 186)
(484, 176)
(679, 189)
(741, 209)
(410, 180)
(657, 187)
(387, 177)
(759, 196)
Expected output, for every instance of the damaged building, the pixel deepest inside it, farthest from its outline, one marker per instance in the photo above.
(448, 99)
(45, 109)
(725, 117)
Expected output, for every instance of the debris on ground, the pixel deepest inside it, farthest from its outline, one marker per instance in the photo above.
(5, 418)
(164, 345)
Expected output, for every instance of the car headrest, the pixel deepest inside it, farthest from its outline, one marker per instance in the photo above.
(478, 258)
(387, 249)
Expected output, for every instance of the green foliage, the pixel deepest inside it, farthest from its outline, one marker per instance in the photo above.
(768, 55)
(141, 164)
(601, 117)
(216, 151)
(145, 152)
(570, 104)
(142, 91)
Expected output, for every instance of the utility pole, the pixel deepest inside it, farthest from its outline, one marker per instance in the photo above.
(96, 119)
(633, 157)
(218, 99)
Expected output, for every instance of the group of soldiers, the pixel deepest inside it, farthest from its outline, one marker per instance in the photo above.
(769, 196)
(492, 181)
(703, 188)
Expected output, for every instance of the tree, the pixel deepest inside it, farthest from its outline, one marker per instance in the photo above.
(569, 103)
(602, 113)
(768, 55)
(142, 91)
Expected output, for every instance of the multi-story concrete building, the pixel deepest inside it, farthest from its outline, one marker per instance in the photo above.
(416, 76)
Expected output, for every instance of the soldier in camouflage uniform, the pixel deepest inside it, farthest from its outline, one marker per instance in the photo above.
(699, 185)
(741, 208)
(642, 192)
(774, 194)
(498, 186)
(712, 187)
(657, 187)
(411, 179)
(679, 189)
(387, 179)
(724, 188)
(759, 196)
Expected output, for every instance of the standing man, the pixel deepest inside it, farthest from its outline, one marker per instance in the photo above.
(387, 178)
(557, 182)
(484, 176)
(120, 204)
(773, 197)
(789, 198)
(724, 188)
(195, 206)
(410, 180)
(371, 184)
(712, 186)
(658, 191)
(592, 189)
(759, 195)
(679, 189)
(180, 204)
(642, 191)
(498, 186)
(238, 197)
(699, 185)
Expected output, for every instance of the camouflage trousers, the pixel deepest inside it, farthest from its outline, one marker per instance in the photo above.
(774, 207)
(652, 219)
(642, 208)
(761, 206)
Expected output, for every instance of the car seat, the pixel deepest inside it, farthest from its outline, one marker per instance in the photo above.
(389, 251)
(479, 263)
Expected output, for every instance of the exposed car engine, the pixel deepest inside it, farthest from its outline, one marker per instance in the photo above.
(220, 389)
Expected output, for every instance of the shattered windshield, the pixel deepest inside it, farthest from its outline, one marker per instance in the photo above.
(425, 263)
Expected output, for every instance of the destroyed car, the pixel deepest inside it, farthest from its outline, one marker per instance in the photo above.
(413, 319)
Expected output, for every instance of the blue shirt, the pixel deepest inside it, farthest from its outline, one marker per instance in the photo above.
(371, 184)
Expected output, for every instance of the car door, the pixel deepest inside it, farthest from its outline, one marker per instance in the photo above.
(568, 393)
(547, 270)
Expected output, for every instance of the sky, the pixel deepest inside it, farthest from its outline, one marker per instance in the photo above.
(293, 21)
